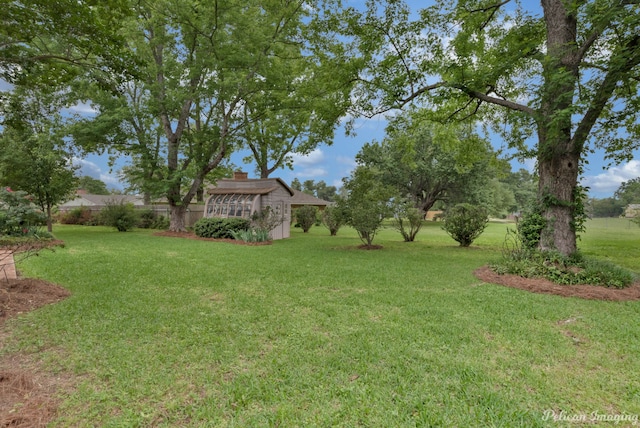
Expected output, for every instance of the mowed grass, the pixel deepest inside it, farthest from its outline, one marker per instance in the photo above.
(313, 332)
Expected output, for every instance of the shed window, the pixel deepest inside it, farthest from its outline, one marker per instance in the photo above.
(230, 205)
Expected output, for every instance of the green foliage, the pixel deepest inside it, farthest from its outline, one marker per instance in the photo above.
(465, 222)
(607, 207)
(531, 76)
(34, 156)
(18, 215)
(92, 185)
(367, 203)
(628, 192)
(333, 219)
(122, 216)
(427, 162)
(148, 219)
(306, 217)
(220, 228)
(252, 235)
(266, 219)
(79, 215)
(530, 227)
(407, 219)
(161, 223)
(564, 270)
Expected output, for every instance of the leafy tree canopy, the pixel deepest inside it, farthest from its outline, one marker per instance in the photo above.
(427, 162)
(92, 185)
(567, 74)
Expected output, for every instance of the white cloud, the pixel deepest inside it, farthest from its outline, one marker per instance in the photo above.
(609, 181)
(311, 173)
(82, 108)
(92, 169)
(311, 159)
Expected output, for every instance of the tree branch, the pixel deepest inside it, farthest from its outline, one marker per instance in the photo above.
(630, 52)
(493, 100)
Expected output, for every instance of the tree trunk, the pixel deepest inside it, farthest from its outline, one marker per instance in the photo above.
(176, 221)
(49, 221)
(557, 192)
(558, 154)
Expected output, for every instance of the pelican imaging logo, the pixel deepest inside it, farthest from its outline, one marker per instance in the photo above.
(593, 417)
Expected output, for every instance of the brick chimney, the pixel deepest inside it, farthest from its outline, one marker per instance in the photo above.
(240, 175)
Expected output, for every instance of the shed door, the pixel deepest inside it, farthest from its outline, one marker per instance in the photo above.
(282, 231)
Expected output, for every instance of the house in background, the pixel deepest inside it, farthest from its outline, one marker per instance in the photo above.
(301, 199)
(632, 210)
(241, 197)
(97, 202)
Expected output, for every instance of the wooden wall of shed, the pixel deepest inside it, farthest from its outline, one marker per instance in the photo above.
(279, 196)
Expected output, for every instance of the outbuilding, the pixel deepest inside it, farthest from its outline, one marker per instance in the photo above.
(242, 197)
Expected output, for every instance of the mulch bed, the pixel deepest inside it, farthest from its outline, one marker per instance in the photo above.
(28, 396)
(540, 285)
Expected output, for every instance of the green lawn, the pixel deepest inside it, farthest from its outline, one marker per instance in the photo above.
(311, 331)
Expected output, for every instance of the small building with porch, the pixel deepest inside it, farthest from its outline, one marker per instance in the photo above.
(242, 197)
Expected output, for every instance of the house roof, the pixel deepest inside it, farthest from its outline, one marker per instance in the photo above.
(248, 186)
(235, 190)
(102, 200)
(301, 198)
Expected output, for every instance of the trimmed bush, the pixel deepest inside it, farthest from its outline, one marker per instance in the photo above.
(333, 219)
(122, 216)
(407, 219)
(306, 217)
(465, 222)
(220, 228)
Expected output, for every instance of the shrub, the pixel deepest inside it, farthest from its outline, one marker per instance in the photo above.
(122, 216)
(18, 215)
(407, 219)
(367, 203)
(79, 215)
(530, 227)
(146, 218)
(161, 223)
(465, 222)
(333, 219)
(563, 270)
(267, 219)
(220, 228)
(306, 217)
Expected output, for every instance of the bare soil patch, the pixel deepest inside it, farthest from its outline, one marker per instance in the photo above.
(544, 286)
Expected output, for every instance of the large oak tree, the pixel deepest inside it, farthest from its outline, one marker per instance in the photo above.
(210, 72)
(565, 73)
